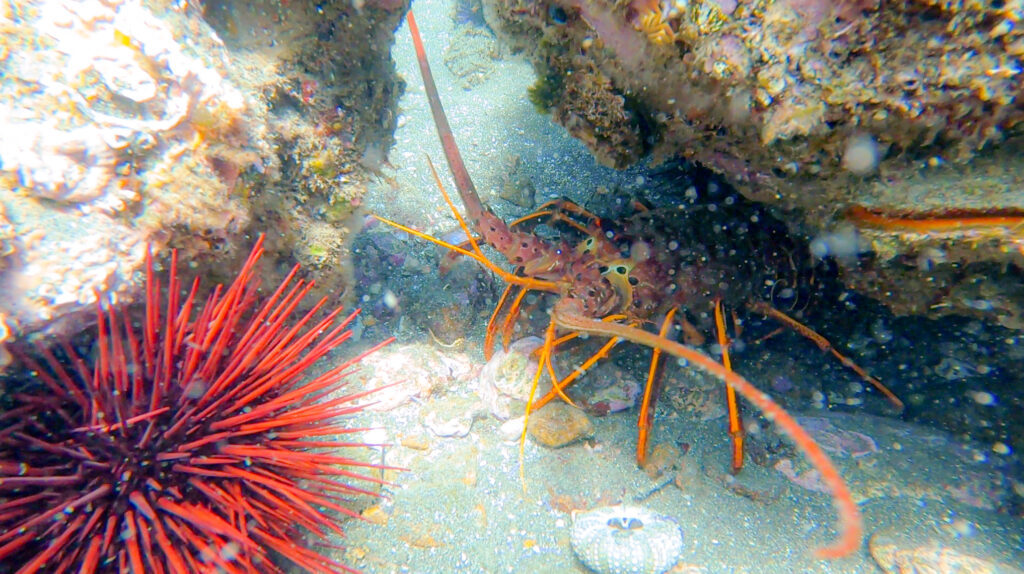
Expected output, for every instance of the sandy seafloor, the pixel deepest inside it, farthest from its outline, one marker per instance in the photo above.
(461, 506)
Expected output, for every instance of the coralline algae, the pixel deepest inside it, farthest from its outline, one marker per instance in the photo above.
(626, 540)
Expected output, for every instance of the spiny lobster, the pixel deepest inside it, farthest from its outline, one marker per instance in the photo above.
(606, 289)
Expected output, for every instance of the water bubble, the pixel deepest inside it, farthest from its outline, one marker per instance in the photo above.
(881, 332)
(841, 244)
(982, 397)
(230, 551)
(928, 258)
(819, 248)
(979, 304)
(861, 155)
(640, 251)
(196, 389)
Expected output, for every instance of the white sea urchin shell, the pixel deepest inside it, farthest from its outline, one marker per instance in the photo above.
(626, 540)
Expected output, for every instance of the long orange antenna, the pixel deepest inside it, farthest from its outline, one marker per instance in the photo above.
(470, 198)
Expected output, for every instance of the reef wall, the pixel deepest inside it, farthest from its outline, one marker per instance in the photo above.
(909, 109)
(157, 123)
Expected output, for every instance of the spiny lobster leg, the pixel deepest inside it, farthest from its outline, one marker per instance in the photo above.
(566, 314)
(567, 206)
(492, 323)
(545, 359)
(585, 222)
(508, 325)
(823, 344)
(559, 210)
(646, 419)
(558, 386)
(735, 424)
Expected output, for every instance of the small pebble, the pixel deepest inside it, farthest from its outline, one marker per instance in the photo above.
(558, 424)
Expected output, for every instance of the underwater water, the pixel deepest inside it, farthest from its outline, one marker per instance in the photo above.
(938, 479)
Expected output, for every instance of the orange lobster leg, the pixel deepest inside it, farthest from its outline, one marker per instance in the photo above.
(510, 321)
(1009, 221)
(646, 419)
(492, 323)
(531, 216)
(545, 358)
(735, 423)
(559, 210)
(558, 386)
(508, 324)
(824, 345)
(567, 206)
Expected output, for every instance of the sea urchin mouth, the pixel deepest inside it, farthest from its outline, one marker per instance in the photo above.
(191, 444)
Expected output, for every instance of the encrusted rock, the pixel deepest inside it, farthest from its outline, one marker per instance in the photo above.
(771, 94)
(138, 125)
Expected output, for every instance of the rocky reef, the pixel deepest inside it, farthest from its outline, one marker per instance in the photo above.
(169, 124)
(910, 109)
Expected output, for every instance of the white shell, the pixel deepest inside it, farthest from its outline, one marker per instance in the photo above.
(626, 540)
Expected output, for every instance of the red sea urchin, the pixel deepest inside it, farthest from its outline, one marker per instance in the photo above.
(193, 446)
